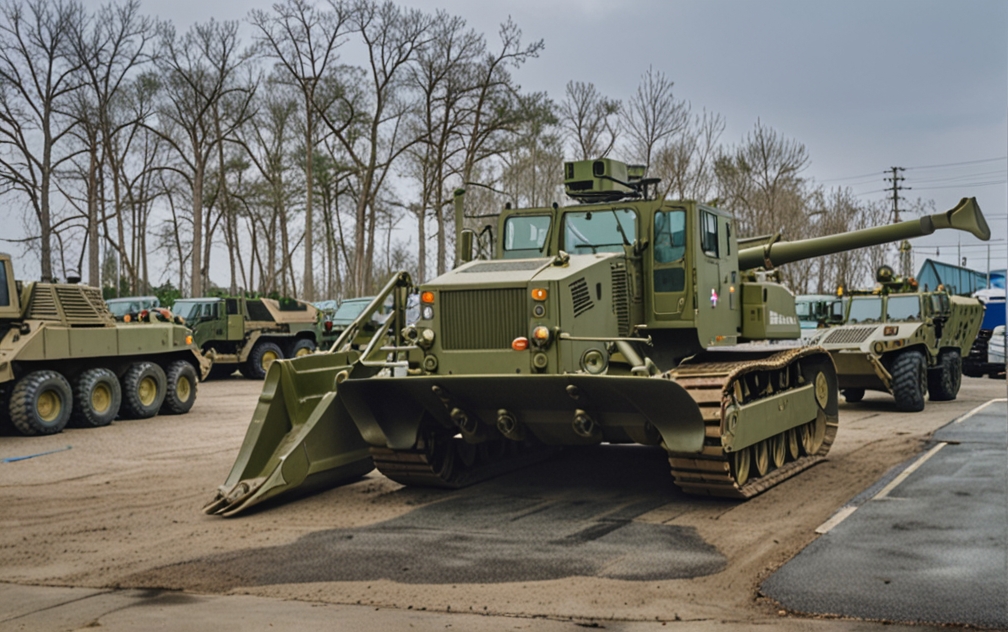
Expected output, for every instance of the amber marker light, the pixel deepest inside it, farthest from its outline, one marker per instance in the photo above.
(539, 294)
(520, 344)
(188, 340)
(890, 330)
(427, 297)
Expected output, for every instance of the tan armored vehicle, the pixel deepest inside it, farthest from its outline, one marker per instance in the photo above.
(63, 358)
(250, 334)
(614, 320)
(902, 341)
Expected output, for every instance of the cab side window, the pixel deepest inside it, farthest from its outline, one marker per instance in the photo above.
(709, 233)
(4, 292)
(670, 236)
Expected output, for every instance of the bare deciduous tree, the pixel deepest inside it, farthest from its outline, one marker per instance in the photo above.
(303, 40)
(654, 115)
(38, 74)
(590, 120)
(200, 71)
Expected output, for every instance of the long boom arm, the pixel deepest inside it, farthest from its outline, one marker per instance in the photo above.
(966, 216)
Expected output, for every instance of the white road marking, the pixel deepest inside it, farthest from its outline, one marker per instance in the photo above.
(902, 476)
(837, 518)
(979, 408)
(847, 510)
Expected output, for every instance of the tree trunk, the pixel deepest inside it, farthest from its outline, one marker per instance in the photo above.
(197, 242)
(309, 273)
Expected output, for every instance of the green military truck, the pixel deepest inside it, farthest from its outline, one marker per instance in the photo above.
(899, 340)
(250, 334)
(64, 359)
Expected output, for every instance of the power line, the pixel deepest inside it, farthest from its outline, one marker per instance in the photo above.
(949, 164)
(956, 164)
(964, 184)
(965, 176)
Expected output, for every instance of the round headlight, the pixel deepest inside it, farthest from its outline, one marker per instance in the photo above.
(541, 335)
(427, 312)
(594, 361)
(879, 347)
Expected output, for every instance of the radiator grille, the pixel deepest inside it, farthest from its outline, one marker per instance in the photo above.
(580, 297)
(482, 319)
(621, 306)
(845, 336)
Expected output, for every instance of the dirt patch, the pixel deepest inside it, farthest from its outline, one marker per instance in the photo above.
(122, 509)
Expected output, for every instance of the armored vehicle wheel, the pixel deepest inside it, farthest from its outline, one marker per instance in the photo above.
(263, 355)
(97, 397)
(909, 380)
(180, 393)
(793, 448)
(853, 395)
(40, 403)
(143, 390)
(944, 380)
(301, 347)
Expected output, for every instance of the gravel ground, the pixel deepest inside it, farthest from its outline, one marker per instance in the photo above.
(121, 509)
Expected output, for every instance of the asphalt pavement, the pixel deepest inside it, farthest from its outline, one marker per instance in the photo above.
(928, 543)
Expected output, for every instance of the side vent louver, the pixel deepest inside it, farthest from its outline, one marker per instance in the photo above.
(580, 297)
(43, 303)
(620, 295)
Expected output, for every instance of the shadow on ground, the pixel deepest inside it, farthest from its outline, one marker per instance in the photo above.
(570, 516)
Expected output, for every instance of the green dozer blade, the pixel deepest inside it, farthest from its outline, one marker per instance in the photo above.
(300, 436)
(575, 409)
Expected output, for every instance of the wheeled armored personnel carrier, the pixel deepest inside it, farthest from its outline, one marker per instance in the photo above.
(903, 341)
(613, 320)
(250, 334)
(63, 358)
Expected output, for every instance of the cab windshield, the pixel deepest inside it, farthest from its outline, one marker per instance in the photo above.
(525, 236)
(903, 308)
(592, 232)
(865, 310)
(194, 311)
(121, 308)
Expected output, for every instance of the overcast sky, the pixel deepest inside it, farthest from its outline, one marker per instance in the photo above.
(865, 85)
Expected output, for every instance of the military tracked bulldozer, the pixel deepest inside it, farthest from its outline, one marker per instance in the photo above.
(900, 340)
(65, 359)
(617, 319)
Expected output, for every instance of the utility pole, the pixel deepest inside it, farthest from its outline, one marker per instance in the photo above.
(905, 252)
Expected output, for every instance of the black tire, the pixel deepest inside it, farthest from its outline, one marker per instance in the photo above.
(264, 353)
(301, 346)
(945, 379)
(221, 371)
(180, 391)
(143, 390)
(853, 395)
(40, 403)
(97, 397)
(909, 380)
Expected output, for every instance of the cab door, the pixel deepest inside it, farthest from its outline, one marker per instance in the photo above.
(716, 291)
(235, 320)
(670, 281)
